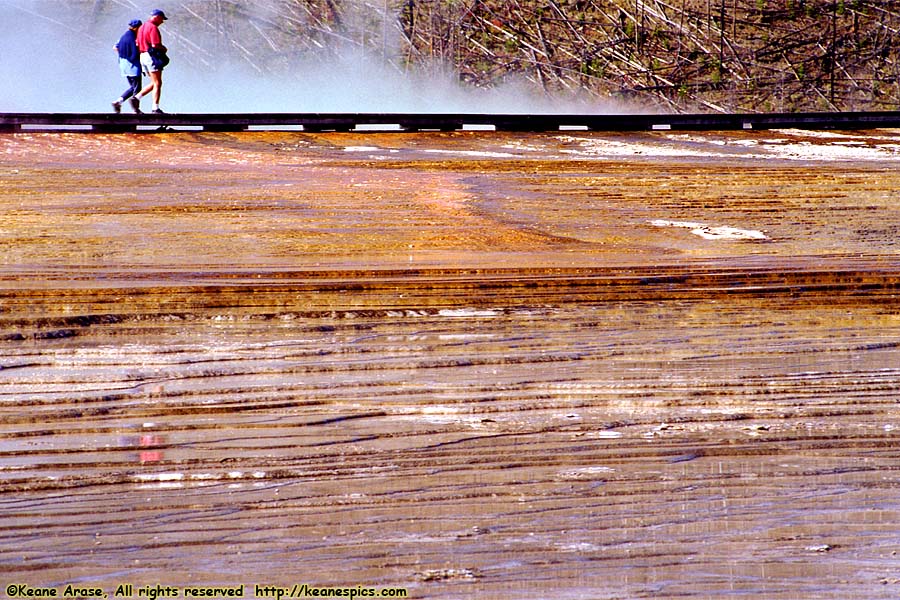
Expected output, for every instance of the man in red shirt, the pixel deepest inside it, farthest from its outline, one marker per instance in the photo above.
(153, 56)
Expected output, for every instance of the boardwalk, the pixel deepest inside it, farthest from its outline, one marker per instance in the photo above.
(465, 364)
(318, 122)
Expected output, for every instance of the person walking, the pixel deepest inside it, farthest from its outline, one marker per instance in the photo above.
(130, 66)
(154, 56)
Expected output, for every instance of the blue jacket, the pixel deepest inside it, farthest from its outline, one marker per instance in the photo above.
(128, 49)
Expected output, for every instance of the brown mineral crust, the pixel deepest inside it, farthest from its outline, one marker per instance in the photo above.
(469, 364)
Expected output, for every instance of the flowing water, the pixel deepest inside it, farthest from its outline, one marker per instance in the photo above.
(471, 364)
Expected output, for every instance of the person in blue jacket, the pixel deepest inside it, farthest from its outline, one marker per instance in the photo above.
(130, 65)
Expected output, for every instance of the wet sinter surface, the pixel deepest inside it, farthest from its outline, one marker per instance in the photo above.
(475, 364)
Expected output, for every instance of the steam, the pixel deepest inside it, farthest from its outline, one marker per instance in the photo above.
(57, 56)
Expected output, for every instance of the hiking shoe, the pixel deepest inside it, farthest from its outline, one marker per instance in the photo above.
(158, 111)
(136, 105)
(117, 107)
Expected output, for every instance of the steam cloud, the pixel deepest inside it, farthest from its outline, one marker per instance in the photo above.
(56, 56)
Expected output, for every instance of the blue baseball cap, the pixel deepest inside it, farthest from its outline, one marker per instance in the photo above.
(135, 23)
(157, 12)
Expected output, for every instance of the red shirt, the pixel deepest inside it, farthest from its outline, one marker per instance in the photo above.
(147, 36)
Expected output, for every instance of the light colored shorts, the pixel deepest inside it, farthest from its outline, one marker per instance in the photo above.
(147, 65)
(128, 69)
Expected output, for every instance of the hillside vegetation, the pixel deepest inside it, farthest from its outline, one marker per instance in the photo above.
(722, 55)
(688, 55)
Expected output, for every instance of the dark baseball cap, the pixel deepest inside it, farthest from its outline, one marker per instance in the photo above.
(160, 13)
(134, 23)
